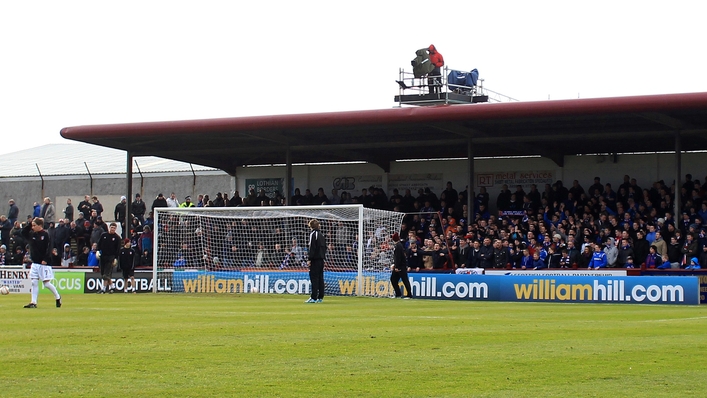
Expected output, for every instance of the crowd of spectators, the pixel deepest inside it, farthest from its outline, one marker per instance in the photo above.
(559, 227)
(73, 237)
(564, 227)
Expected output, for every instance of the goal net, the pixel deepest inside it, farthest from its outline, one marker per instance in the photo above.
(264, 249)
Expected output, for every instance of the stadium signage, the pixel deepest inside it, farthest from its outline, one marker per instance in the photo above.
(14, 274)
(701, 274)
(559, 272)
(643, 290)
(240, 282)
(66, 283)
(269, 185)
(537, 287)
(514, 178)
(143, 282)
(16, 280)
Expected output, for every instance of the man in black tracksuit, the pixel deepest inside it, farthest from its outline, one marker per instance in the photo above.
(400, 269)
(109, 248)
(317, 253)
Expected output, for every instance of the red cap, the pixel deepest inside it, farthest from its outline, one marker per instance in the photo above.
(395, 237)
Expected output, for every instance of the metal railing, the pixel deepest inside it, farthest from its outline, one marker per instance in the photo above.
(421, 86)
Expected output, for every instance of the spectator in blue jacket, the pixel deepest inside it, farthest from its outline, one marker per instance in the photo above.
(598, 259)
(92, 256)
(538, 263)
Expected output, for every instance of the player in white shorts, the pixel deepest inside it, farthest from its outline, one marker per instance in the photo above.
(40, 252)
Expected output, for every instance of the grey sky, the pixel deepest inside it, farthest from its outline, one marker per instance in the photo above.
(85, 62)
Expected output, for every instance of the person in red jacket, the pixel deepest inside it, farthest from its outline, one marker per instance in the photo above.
(435, 81)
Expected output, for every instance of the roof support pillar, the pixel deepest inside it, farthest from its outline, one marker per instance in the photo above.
(678, 174)
(127, 222)
(470, 195)
(288, 177)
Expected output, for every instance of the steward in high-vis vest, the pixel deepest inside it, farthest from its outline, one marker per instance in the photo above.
(187, 202)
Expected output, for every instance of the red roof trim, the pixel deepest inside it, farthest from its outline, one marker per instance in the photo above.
(558, 108)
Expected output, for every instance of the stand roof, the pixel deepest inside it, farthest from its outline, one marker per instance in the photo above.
(548, 128)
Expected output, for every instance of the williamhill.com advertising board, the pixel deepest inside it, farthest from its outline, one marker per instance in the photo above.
(573, 289)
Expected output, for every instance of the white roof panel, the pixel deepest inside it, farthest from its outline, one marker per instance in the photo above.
(75, 158)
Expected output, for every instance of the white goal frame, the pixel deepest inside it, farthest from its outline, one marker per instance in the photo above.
(363, 215)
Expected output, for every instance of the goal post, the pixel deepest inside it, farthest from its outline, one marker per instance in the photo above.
(264, 249)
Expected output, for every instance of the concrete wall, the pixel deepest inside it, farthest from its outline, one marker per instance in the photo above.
(352, 177)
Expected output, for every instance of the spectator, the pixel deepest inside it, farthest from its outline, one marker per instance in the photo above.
(138, 208)
(69, 211)
(62, 234)
(82, 258)
(596, 188)
(703, 256)
(486, 253)
(261, 200)
(187, 202)
(653, 259)
(36, 211)
(689, 249)
(5, 230)
(159, 201)
(97, 206)
(236, 200)
(14, 212)
(85, 207)
(660, 244)
(146, 259)
(218, 202)
(146, 240)
(640, 247)
(612, 252)
(120, 212)
(296, 199)
(504, 198)
(598, 259)
(172, 200)
(18, 257)
(674, 253)
(500, 256)
(48, 212)
(68, 257)
(625, 251)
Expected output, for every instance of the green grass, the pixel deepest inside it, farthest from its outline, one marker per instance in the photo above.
(267, 345)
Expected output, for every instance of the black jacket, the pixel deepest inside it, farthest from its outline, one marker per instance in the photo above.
(400, 262)
(159, 203)
(415, 258)
(500, 258)
(40, 248)
(486, 256)
(317, 245)
(138, 208)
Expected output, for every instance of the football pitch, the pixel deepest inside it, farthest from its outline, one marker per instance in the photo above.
(260, 345)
